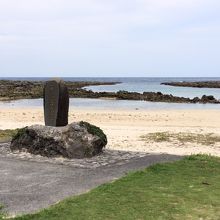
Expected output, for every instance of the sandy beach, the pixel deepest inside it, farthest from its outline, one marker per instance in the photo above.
(124, 128)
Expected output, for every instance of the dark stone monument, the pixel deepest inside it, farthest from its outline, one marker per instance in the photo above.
(56, 103)
(58, 138)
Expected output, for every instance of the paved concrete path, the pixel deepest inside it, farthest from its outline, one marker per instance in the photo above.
(27, 186)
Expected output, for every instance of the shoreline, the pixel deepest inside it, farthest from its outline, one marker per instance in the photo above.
(15, 90)
(124, 128)
(106, 104)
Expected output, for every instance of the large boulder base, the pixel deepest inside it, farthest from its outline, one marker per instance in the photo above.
(76, 140)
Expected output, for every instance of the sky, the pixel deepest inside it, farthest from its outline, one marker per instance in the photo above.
(108, 38)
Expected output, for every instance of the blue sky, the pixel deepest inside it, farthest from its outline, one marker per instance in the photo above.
(109, 38)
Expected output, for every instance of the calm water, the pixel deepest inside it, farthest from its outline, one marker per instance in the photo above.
(109, 104)
(134, 85)
(154, 85)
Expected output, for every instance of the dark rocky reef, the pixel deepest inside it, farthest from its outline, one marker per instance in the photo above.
(11, 89)
(145, 96)
(76, 140)
(160, 97)
(201, 84)
(25, 89)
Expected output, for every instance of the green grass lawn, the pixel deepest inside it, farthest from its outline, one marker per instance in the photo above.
(1, 213)
(186, 189)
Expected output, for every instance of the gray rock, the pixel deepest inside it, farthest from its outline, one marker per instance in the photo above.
(56, 103)
(76, 140)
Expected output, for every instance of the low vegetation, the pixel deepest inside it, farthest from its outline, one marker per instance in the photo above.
(7, 135)
(182, 137)
(94, 130)
(1, 212)
(185, 189)
(19, 132)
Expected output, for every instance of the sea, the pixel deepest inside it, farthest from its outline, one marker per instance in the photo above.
(131, 84)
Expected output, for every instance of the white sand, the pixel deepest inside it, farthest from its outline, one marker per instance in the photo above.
(124, 127)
